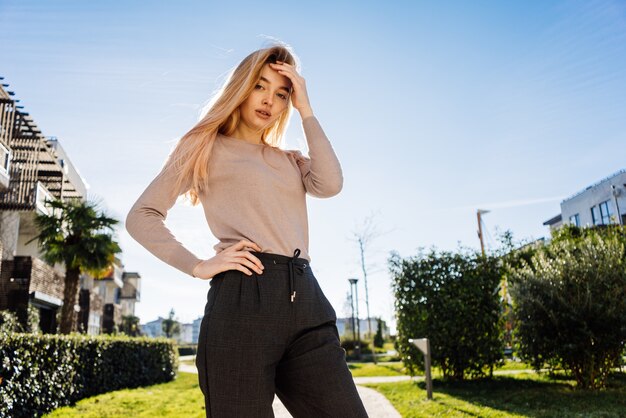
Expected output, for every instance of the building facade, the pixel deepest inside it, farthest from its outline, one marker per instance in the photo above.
(196, 330)
(35, 168)
(153, 328)
(601, 203)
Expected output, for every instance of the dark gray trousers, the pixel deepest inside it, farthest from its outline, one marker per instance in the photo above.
(255, 342)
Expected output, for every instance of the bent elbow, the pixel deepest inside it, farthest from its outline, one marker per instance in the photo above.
(135, 220)
(131, 221)
(142, 218)
(334, 188)
(329, 189)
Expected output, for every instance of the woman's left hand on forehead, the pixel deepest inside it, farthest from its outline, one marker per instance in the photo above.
(299, 95)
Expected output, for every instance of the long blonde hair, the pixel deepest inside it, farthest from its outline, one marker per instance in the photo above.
(192, 153)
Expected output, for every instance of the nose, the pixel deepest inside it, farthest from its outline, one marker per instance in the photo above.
(267, 100)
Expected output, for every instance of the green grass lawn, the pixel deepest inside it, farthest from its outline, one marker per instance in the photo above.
(180, 398)
(514, 365)
(392, 368)
(395, 368)
(522, 395)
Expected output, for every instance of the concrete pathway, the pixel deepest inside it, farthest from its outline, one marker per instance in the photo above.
(377, 405)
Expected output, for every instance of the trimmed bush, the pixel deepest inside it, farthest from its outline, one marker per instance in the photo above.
(452, 299)
(188, 350)
(39, 373)
(570, 303)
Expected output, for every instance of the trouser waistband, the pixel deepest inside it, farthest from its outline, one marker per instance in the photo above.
(294, 263)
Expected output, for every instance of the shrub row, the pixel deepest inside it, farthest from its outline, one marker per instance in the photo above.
(41, 372)
(560, 304)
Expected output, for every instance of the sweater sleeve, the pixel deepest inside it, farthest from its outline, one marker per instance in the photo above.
(145, 221)
(321, 172)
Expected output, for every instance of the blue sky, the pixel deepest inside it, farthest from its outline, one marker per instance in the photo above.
(435, 109)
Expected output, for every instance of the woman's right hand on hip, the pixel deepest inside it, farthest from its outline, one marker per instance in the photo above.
(235, 257)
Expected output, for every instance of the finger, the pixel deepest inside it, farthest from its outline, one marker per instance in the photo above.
(250, 264)
(248, 257)
(296, 79)
(245, 243)
(237, 266)
(285, 63)
(254, 259)
(284, 66)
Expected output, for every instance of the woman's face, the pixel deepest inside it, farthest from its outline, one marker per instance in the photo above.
(267, 101)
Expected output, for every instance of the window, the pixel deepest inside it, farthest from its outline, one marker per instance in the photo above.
(605, 212)
(601, 214)
(574, 220)
(94, 323)
(595, 215)
(5, 159)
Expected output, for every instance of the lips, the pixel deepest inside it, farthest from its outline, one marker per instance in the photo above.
(264, 114)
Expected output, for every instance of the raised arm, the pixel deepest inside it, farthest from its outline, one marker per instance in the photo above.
(145, 221)
(321, 172)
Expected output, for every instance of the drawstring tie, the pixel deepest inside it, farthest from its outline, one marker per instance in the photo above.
(300, 268)
(293, 265)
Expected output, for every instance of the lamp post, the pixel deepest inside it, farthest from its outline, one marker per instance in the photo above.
(479, 214)
(355, 298)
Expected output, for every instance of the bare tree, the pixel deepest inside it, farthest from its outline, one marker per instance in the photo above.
(363, 237)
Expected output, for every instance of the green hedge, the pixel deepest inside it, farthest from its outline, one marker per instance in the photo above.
(451, 298)
(188, 350)
(41, 372)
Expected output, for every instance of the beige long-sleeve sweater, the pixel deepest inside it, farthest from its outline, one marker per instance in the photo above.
(255, 192)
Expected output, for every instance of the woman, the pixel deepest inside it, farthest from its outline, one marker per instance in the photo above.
(267, 327)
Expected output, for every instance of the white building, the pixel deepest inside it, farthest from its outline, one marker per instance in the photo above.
(153, 328)
(186, 334)
(130, 292)
(196, 330)
(601, 203)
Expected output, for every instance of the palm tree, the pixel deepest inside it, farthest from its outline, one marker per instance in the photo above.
(171, 327)
(130, 325)
(73, 234)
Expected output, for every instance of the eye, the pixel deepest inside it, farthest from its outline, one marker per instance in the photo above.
(258, 86)
(282, 96)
